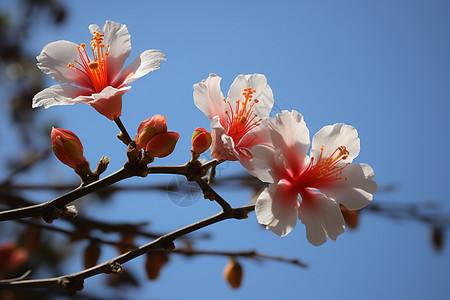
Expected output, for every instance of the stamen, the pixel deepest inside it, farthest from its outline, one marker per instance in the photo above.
(242, 119)
(95, 69)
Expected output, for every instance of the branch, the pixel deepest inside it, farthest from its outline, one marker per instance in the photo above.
(74, 282)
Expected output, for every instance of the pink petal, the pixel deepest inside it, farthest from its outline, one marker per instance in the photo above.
(262, 163)
(222, 146)
(147, 61)
(322, 217)
(276, 208)
(109, 101)
(289, 134)
(54, 60)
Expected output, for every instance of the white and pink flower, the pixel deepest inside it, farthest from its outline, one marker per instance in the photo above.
(235, 120)
(324, 180)
(93, 74)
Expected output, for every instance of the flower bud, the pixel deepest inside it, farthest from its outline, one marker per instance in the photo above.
(201, 140)
(162, 144)
(68, 149)
(351, 217)
(148, 129)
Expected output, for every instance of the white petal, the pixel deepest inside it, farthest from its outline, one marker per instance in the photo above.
(147, 61)
(54, 60)
(209, 98)
(322, 217)
(118, 39)
(334, 136)
(64, 94)
(262, 163)
(277, 209)
(356, 189)
(93, 28)
(288, 129)
(264, 94)
(222, 146)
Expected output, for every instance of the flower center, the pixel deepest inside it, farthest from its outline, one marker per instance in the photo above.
(325, 170)
(96, 69)
(242, 119)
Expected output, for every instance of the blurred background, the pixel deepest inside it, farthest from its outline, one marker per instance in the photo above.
(381, 66)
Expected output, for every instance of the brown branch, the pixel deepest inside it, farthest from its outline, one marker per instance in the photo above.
(74, 282)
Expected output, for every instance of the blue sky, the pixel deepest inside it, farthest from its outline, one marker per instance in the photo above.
(381, 66)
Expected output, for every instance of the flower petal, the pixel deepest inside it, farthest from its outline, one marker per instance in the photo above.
(147, 61)
(61, 94)
(209, 98)
(276, 208)
(109, 101)
(334, 136)
(54, 60)
(262, 163)
(222, 146)
(289, 134)
(357, 190)
(257, 82)
(322, 217)
(118, 39)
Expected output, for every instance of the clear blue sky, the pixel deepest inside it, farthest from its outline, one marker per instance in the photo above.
(382, 66)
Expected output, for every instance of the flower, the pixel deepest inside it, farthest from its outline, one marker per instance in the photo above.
(324, 180)
(235, 120)
(97, 80)
(69, 150)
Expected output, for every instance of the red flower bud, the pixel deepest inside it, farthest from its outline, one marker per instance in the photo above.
(148, 129)
(162, 144)
(201, 140)
(68, 149)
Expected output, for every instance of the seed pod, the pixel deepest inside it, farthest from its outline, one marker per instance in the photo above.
(351, 217)
(91, 255)
(154, 262)
(233, 273)
(437, 238)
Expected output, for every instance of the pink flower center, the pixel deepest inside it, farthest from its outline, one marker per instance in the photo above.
(324, 170)
(242, 118)
(95, 70)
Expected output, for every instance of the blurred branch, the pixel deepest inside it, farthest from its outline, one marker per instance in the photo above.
(74, 282)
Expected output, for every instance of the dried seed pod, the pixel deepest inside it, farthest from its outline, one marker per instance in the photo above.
(91, 255)
(154, 262)
(437, 238)
(233, 273)
(351, 217)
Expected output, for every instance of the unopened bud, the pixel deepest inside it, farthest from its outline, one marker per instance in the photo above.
(162, 144)
(233, 273)
(201, 140)
(102, 165)
(69, 150)
(148, 129)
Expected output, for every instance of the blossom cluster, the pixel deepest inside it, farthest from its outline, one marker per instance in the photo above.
(309, 186)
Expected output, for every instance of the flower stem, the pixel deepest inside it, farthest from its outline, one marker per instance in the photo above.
(123, 130)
